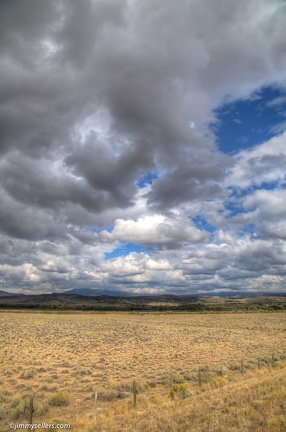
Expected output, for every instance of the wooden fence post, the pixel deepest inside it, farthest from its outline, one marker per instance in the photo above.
(95, 401)
(208, 373)
(199, 377)
(134, 390)
(31, 409)
(171, 380)
(242, 367)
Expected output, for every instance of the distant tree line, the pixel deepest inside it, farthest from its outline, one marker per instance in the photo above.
(138, 307)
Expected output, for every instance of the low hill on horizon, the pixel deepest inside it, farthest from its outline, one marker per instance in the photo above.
(164, 302)
(98, 292)
(7, 294)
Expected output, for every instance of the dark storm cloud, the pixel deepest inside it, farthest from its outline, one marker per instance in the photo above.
(41, 185)
(106, 172)
(25, 222)
(201, 177)
(82, 24)
(64, 60)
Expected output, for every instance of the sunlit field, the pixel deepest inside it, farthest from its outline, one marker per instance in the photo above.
(63, 358)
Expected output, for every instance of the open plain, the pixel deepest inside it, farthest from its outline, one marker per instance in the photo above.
(63, 358)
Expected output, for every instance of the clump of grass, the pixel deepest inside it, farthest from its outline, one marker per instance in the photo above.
(2, 412)
(22, 408)
(151, 383)
(41, 408)
(142, 386)
(20, 386)
(108, 395)
(156, 399)
(2, 397)
(218, 382)
(177, 378)
(181, 391)
(61, 398)
(28, 374)
(54, 376)
(15, 402)
(85, 371)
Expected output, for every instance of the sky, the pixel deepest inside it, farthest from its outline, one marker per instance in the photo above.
(142, 146)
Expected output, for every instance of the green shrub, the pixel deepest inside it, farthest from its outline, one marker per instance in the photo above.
(15, 402)
(22, 408)
(218, 382)
(142, 386)
(182, 391)
(156, 399)
(61, 398)
(2, 412)
(41, 408)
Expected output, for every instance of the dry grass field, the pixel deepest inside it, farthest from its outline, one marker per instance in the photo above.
(63, 357)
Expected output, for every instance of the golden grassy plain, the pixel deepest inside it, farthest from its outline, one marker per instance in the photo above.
(75, 353)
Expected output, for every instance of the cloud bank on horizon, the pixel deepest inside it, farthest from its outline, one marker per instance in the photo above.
(143, 145)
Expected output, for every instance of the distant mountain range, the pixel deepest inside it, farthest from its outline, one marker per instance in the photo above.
(101, 292)
(98, 292)
(7, 294)
(102, 300)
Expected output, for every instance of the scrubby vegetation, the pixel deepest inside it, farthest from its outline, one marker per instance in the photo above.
(61, 398)
(193, 372)
(161, 303)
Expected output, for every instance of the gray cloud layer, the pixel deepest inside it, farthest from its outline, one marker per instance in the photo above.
(95, 94)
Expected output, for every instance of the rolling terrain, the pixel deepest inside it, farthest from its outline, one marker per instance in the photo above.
(166, 302)
(187, 369)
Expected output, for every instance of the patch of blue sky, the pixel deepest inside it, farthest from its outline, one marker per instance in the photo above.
(240, 192)
(98, 230)
(125, 249)
(146, 178)
(232, 207)
(94, 230)
(249, 229)
(266, 186)
(202, 224)
(246, 123)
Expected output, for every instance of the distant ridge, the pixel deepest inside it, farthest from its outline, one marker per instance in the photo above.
(98, 292)
(90, 292)
(242, 294)
(164, 302)
(7, 294)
